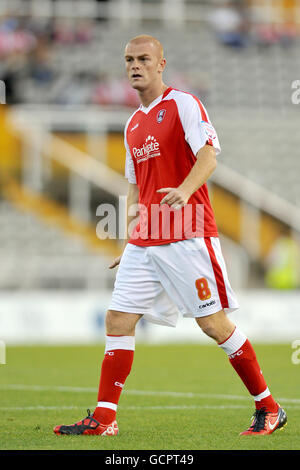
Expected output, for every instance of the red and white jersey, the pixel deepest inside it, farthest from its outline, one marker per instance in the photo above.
(161, 143)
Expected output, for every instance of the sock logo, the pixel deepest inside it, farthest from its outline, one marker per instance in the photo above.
(118, 384)
(110, 353)
(238, 353)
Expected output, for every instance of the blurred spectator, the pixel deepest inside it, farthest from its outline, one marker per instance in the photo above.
(230, 25)
(117, 91)
(266, 34)
(289, 29)
(283, 264)
(63, 31)
(57, 54)
(275, 24)
(14, 37)
(196, 83)
(67, 31)
(39, 63)
(84, 31)
(114, 91)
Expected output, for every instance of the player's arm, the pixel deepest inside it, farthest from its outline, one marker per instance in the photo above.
(132, 201)
(204, 166)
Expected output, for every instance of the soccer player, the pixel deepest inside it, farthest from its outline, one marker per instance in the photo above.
(165, 270)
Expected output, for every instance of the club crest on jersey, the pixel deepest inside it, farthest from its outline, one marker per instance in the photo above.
(160, 115)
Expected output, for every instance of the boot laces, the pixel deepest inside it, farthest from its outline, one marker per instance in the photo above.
(259, 420)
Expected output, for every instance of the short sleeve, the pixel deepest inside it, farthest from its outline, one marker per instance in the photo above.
(129, 166)
(196, 124)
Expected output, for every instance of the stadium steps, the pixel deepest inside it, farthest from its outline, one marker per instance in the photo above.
(53, 213)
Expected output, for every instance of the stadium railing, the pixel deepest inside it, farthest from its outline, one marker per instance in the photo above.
(85, 171)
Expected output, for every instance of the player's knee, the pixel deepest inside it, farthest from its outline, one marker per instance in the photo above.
(119, 323)
(209, 328)
(113, 321)
(216, 326)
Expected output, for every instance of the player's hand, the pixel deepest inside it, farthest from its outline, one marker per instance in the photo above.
(175, 197)
(115, 262)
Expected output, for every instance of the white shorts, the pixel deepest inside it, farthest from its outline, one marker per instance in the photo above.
(159, 282)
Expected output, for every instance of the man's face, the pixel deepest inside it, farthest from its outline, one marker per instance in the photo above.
(144, 64)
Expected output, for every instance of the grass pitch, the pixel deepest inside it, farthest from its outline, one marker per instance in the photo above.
(178, 397)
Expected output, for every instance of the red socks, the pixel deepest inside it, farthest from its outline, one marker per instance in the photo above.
(243, 359)
(118, 360)
(115, 369)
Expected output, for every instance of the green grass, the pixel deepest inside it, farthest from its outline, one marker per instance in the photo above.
(146, 421)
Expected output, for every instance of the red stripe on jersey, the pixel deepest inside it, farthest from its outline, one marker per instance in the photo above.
(167, 92)
(203, 113)
(218, 274)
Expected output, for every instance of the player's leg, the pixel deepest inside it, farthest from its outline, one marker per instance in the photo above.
(217, 326)
(241, 355)
(194, 275)
(117, 362)
(135, 291)
(116, 366)
(269, 416)
(121, 323)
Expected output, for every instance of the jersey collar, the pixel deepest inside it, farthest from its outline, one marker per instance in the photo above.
(157, 100)
(167, 92)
